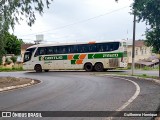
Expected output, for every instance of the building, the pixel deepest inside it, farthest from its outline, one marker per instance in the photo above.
(143, 55)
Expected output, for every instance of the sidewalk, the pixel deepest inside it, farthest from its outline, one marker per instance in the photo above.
(8, 83)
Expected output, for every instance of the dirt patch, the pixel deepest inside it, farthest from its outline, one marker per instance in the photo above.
(12, 81)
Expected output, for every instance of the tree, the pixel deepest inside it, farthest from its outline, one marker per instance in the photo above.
(13, 11)
(12, 44)
(148, 11)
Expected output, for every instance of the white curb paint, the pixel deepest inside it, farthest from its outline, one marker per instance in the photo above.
(18, 86)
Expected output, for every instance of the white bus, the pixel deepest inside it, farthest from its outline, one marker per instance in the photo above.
(90, 56)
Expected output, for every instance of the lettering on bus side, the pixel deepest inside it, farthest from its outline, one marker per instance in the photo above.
(53, 58)
(110, 55)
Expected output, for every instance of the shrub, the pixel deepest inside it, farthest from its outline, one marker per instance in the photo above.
(8, 62)
(144, 75)
(14, 59)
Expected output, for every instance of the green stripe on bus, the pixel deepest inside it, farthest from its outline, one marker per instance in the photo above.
(76, 57)
(73, 61)
(105, 55)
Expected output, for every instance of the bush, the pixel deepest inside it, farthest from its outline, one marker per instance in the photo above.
(14, 59)
(8, 62)
(144, 75)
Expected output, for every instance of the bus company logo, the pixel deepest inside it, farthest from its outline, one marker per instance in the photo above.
(53, 58)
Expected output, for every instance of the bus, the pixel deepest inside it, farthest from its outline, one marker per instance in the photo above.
(92, 56)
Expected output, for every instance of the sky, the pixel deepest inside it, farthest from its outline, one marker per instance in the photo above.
(82, 21)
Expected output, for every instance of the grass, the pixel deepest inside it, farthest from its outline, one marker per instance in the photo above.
(144, 68)
(141, 76)
(146, 76)
(3, 69)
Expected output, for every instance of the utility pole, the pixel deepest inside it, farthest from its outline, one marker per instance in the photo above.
(133, 46)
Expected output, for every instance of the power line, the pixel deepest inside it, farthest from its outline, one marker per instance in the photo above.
(75, 23)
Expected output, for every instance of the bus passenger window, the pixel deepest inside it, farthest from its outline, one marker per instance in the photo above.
(49, 50)
(55, 50)
(101, 49)
(42, 51)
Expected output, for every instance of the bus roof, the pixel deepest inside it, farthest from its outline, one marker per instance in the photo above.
(77, 43)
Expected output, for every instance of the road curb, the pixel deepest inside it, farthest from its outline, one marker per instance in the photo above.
(17, 86)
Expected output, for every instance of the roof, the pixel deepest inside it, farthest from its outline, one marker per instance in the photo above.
(25, 46)
(139, 43)
(150, 61)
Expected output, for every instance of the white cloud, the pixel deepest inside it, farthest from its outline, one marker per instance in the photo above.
(63, 22)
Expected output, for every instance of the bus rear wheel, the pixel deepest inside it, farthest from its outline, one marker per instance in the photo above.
(98, 67)
(88, 67)
(38, 68)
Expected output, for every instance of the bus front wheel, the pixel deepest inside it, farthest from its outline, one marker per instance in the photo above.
(99, 67)
(38, 68)
(88, 67)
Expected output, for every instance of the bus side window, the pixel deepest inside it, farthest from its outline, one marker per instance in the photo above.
(75, 49)
(42, 51)
(49, 50)
(116, 46)
(83, 48)
(68, 49)
(107, 47)
(92, 48)
(100, 48)
(55, 50)
(60, 50)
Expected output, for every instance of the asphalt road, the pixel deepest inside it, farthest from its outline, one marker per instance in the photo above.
(79, 91)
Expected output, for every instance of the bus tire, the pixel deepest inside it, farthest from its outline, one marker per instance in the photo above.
(46, 70)
(88, 67)
(38, 68)
(98, 67)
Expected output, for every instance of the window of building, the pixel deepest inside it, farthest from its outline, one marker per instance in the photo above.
(142, 51)
(136, 51)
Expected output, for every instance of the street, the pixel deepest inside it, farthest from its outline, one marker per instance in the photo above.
(80, 91)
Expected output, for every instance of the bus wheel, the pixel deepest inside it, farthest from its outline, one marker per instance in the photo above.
(38, 68)
(88, 67)
(46, 70)
(99, 67)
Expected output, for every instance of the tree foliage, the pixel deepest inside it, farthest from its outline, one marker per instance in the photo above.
(12, 44)
(149, 11)
(13, 11)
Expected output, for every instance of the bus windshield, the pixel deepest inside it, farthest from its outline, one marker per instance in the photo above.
(28, 54)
